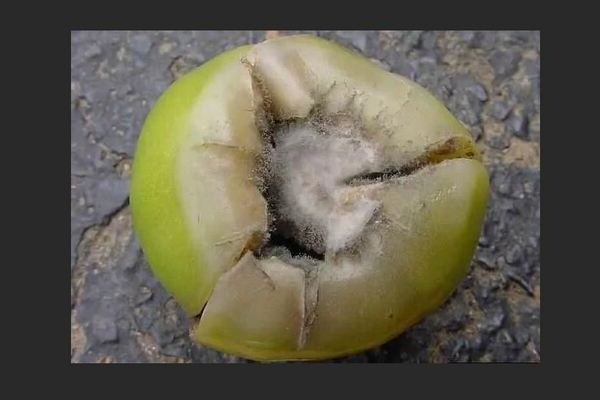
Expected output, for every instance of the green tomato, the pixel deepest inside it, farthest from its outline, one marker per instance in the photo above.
(369, 175)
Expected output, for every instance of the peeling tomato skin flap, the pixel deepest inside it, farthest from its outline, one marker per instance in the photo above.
(302, 203)
(391, 284)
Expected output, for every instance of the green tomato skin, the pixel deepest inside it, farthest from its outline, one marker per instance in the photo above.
(179, 260)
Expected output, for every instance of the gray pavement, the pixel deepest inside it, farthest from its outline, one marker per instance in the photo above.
(489, 80)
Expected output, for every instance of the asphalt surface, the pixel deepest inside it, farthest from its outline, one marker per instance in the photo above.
(489, 80)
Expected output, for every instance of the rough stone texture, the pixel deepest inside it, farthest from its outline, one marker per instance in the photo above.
(489, 80)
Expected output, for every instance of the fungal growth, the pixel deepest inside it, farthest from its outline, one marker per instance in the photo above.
(326, 204)
(311, 201)
(323, 180)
